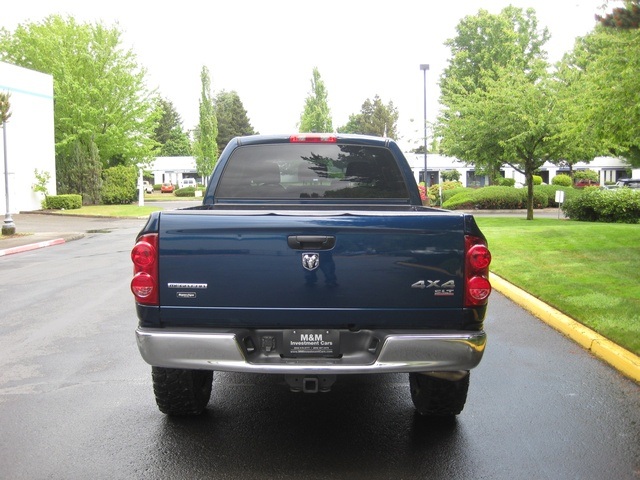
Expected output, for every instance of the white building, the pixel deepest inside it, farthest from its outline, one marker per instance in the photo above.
(173, 169)
(610, 169)
(30, 140)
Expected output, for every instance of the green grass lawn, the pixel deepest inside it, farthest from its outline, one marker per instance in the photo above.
(112, 210)
(589, 271)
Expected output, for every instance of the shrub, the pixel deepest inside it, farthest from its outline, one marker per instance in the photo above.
(422, 191)
(434, 191)
(120, 185)
(537, 180)
(495, 198)
(562, 180)
(188, 191)
(450, 193)
(157, 186)
(450, 176)
(506, 182)
(621, 205)
(550, 192)
(586, 175)
(62, 202)
(185, 192)
(460, 201)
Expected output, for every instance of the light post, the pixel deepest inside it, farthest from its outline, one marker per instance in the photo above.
(424, 67)
(8, 227)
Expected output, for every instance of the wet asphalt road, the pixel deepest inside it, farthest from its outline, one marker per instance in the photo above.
(76, 399)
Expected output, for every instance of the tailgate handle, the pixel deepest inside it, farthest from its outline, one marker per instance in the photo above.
(311, 242)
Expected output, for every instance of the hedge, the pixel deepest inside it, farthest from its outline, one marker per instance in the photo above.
(496, 198)
(621, 205)
(62, 202)
(187, 191)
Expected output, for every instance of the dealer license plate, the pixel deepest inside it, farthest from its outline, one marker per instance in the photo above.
(321, 343)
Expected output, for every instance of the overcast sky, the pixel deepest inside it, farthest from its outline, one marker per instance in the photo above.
(266, 50)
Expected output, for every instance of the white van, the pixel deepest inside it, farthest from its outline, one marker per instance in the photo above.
(188, 182)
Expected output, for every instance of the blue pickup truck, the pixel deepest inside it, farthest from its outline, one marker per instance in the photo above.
(311, 256)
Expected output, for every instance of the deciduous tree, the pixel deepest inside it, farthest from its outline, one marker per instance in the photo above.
(498, 102)
(101, 102)
(608, 61)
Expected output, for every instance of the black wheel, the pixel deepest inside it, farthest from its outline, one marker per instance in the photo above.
(181, 392)
(437, 397)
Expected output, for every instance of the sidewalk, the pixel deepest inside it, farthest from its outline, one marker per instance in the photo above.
(38, 230)
(50, 229)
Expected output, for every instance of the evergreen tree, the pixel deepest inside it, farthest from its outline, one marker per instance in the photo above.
(375, 118)
(232, 118)
(316, 116)
(205, 147)
(169, 134)
(624, 18)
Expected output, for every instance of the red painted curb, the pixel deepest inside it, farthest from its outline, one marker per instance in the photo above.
(31, 246)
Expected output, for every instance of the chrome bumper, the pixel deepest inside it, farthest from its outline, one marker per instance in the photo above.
(398, 352)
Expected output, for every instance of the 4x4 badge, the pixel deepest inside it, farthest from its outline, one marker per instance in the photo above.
(310, 261)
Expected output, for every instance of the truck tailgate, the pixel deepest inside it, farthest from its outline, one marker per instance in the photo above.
(338, 270)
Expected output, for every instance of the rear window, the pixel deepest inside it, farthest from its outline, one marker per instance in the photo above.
(311, 171)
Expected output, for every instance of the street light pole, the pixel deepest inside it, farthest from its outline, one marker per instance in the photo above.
(424, 67)
(8, 227)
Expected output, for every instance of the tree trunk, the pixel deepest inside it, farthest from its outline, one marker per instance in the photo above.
(529, 177)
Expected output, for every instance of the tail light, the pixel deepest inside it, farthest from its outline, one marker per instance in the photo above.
(313, 138)
(145, 270)
(477, 261)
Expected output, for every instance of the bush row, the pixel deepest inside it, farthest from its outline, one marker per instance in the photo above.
(591, 204)
(495, 198)
(621, 205)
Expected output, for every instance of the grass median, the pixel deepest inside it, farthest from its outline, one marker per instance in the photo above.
(111, 210)
(132, 210)
(588, 271)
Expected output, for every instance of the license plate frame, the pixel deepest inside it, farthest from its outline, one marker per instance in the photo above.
(311, 343)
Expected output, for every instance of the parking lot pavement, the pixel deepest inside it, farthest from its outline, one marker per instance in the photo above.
(43, 230)
(37, 230)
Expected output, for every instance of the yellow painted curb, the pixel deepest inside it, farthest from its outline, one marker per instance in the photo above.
(622, 360)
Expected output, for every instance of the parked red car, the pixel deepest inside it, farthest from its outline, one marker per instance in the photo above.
(167, 188)
(586, 183)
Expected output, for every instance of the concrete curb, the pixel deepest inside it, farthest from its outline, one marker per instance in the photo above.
(51, 241)
(622, 360)
(32, 246)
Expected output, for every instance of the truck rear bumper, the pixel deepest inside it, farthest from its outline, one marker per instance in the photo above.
(392, 352)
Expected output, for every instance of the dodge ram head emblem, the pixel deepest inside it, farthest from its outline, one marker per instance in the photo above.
(310, 261)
